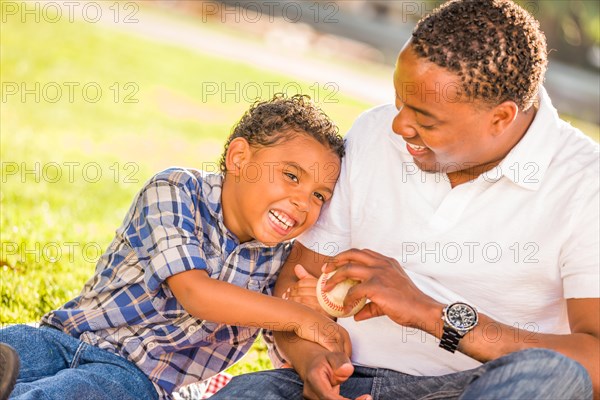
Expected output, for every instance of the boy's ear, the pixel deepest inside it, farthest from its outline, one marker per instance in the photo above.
(238, 153)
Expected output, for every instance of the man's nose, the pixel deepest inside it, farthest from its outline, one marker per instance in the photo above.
(401, 125)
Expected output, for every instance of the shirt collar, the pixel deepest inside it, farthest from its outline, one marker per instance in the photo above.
(528, 160)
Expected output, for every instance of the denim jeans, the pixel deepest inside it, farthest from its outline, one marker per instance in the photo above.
(528, 374)
(57, 366)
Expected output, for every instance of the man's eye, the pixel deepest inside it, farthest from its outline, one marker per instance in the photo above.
(292, 177)
(320, 197)
(426, 127)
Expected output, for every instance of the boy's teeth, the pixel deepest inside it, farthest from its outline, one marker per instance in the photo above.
(282, 219)
(274, 219)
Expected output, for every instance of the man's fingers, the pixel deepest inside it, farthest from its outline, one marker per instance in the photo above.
(357, 292)
(375, 254)
(351, 271)
(366, 257)
(370, 310)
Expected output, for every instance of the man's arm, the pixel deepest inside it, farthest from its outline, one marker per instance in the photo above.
(322, 371)
(222, 302)
(392, 293)
(312, 262)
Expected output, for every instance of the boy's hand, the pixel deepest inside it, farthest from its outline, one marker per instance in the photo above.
(304, 291)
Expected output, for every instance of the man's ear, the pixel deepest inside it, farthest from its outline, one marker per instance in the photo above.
(503, 115)
(238, 153)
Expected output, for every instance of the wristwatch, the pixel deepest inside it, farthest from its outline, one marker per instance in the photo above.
(459, 318)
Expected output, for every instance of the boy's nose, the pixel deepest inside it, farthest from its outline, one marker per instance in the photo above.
(300, 201)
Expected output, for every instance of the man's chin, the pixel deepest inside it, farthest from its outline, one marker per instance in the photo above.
(427, 167)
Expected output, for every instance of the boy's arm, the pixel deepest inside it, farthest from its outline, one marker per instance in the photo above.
(222, 302)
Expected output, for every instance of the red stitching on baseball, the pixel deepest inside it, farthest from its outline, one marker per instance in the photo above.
(333, 305)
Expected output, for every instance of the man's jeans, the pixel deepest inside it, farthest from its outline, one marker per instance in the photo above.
(528, 374)
(57, 366)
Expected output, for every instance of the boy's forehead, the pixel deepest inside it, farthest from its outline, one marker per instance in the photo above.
(302, 153)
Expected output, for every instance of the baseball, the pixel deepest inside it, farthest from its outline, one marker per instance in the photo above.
(333, 301)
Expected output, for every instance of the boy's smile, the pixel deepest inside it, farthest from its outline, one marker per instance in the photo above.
(275, 193)
(281, 221)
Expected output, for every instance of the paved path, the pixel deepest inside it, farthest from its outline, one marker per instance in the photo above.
(202, 38)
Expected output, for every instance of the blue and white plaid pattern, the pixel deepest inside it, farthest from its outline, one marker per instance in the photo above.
(175, 224)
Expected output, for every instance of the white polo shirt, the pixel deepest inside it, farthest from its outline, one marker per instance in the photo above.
(515, 242)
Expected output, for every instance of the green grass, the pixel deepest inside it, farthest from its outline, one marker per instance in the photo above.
(47, 220)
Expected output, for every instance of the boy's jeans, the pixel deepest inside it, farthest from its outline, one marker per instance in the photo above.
(528, 374)
(57, 366)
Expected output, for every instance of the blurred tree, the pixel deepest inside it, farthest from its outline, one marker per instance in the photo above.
(573, 30)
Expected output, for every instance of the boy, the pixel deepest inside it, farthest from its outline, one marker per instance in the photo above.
(173, 298)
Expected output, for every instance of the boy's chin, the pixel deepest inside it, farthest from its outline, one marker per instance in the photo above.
(273, 240)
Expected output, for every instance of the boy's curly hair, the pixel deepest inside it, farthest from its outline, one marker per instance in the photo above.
(494, 46)
(268, 122)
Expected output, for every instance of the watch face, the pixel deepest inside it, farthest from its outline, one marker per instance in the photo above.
(461, 316)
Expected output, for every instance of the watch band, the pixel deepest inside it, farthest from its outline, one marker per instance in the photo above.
(450, 339)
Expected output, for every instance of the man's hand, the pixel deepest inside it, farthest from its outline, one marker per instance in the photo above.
(324, 374)
(384, 282)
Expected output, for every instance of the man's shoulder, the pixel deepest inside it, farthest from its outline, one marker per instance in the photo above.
(378, 115)
(372, 123)
(577, 153)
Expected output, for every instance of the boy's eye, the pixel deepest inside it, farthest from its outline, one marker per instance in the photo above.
(292, 177)
(320, 197)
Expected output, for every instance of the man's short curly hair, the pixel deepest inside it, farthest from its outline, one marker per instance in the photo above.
(494, 46)
(267, 123)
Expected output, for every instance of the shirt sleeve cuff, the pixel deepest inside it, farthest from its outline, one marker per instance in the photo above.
(581, 287)
(173, 261)
(277, 359)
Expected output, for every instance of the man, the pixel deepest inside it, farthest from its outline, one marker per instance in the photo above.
(479, 208)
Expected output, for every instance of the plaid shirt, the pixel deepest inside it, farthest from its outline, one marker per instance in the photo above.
(175, 224)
